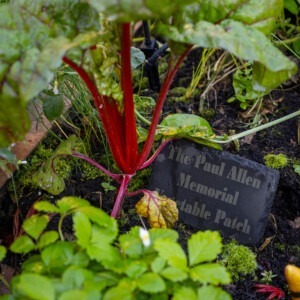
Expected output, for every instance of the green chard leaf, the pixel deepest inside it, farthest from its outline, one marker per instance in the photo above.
(243, 41)
(35, 35)
(138, 9)
(257, 13)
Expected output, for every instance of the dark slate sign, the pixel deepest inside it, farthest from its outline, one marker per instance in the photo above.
(216, 190)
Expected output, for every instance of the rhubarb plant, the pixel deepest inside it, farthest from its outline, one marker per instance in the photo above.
(94, 39)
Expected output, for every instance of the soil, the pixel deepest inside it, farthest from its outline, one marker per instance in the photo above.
(281, 243)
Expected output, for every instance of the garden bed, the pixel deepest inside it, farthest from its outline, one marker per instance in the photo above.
(281, 242)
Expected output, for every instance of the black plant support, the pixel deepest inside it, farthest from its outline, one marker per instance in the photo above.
(152, 52)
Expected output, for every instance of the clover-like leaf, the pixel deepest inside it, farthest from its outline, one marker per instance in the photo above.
(161, 211)
(35, 225)
(204, 246)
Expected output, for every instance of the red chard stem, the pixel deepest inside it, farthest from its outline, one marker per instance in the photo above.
(159, 105)
(131, 146)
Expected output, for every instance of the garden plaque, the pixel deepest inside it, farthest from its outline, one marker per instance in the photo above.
(216, 190)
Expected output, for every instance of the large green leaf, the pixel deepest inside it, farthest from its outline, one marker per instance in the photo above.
(241, 40)
(261, 14)
(124, 10)
(34, 37)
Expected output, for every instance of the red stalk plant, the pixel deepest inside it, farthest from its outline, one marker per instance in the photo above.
(120, 125)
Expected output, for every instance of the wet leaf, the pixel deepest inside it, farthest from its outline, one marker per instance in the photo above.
(160, 210)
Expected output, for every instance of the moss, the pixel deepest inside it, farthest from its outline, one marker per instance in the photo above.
(140, 180)
(274, 161)
(239, 260)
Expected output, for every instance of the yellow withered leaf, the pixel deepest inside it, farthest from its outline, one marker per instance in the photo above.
(161, 211)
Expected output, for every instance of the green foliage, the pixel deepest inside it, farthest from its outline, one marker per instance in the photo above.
(101, 264)
(296, 168)
(53, 104)
(267, 277)
(243, 88)
(31, 50)
(47, 177)
(276, 161)
(187, 126)
(239, 260)
(7, 158)
(36, 35)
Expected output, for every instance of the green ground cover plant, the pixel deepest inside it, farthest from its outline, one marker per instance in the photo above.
(100, 263)
(94, 39)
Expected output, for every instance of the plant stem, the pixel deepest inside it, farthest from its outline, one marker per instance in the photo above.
(107, 112)
(151, 159)
(60, 232)
(131, 146)
(159, 105)
(121, 193)
(95, 164)
(222, 140)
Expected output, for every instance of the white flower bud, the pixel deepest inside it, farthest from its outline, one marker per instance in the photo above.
(145, 237)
